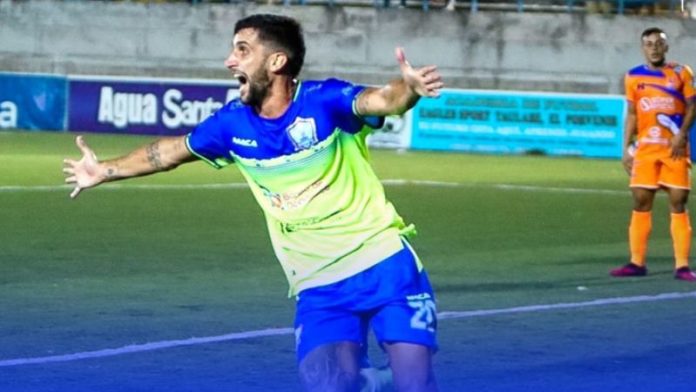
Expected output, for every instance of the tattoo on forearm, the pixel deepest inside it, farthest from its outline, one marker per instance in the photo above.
(110, 173)
(153, 156)
(362, 104)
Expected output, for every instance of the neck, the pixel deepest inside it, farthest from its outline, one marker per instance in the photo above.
(657, 65)
(278, 99)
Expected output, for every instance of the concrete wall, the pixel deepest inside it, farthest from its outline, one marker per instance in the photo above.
(491, 50)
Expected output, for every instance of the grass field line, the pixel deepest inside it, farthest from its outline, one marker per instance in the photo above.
(136, 348)
(388, 182)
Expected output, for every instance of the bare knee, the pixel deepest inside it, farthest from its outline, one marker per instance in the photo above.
(677, 200)
(331, 368)
(412, 367)
(643, 199)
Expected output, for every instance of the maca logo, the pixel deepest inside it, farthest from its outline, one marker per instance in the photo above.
(244, 142)
(303, 133)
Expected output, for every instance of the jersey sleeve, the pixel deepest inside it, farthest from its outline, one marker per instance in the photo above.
(629, 88)
(373, 122)
(687, 76)
(207, 141)
(341, 97)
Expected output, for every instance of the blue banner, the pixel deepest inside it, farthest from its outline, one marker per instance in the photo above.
(144, 106)
(32, 102)
(520, 123)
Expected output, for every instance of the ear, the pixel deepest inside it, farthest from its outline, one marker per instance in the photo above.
(277, 61)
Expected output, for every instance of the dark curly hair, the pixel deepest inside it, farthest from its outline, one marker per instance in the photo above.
(280, 33)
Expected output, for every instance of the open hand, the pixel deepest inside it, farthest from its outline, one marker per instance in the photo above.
(425, 81)
(84, 173)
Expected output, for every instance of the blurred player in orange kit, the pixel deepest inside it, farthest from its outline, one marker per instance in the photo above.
(660, 97)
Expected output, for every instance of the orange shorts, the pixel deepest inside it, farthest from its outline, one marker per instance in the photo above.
(654, 171)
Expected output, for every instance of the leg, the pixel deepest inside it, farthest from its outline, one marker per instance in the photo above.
(676, 179)
(638, 233)
(372, 379)
(680, 228)
(331, 367)
(643, 199)
(641, 224)
(677, 200)
(406, 326)
(412, 367)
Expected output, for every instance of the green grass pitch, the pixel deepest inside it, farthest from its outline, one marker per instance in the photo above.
(169, 257)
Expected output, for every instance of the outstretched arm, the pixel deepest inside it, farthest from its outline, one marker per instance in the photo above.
(162, 155)
(399, 95)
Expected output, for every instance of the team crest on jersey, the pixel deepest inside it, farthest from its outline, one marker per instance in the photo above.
(303, 133)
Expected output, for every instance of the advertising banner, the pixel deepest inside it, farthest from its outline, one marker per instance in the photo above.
(520, 123)
(396, 133)
(32, 102)
(144, 106)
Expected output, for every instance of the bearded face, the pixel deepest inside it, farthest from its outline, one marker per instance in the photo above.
(253, 88)
(248, 63)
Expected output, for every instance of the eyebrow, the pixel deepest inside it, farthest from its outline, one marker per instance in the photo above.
(239, 43)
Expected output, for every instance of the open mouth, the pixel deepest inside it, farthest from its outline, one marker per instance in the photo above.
(241, 78)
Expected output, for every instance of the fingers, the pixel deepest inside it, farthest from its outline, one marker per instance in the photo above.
(430, 69)
(84, 148)
(426, 81)
(75, 192)
(70, 164)
(80, 141)
(432, 87)
(431, 80)
(678, 153)
(627, 162)
(401, 57)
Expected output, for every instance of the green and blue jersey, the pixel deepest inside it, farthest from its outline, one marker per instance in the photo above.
(326, 211)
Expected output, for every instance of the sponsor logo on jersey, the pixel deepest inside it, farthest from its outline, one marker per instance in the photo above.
(289, 201)
(656, 103)
(244, 142)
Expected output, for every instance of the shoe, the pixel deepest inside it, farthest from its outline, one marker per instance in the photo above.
(629, 269)
(376, 379)
(684, 273)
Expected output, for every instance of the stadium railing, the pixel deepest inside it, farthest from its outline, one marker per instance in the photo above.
(643, 7)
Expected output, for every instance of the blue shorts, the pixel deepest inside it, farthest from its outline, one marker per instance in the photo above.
(392, 297)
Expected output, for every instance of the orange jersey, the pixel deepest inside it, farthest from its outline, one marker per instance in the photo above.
(660, 97)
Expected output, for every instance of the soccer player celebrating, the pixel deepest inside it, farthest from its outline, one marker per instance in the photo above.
(660, 97)
(341, 244)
